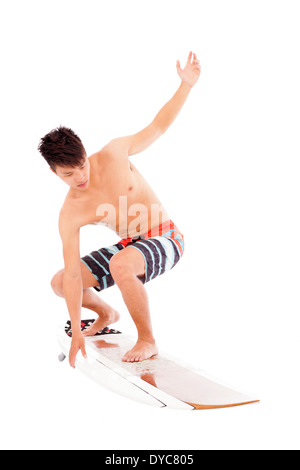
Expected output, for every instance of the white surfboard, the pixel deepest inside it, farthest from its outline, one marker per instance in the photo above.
(159, 381)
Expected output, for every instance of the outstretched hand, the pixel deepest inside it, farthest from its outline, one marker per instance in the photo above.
(191, 73)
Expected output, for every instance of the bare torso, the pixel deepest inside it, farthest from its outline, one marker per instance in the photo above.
(117, 197)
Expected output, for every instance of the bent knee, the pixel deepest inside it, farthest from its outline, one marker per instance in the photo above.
(120, 270)
(57, 283)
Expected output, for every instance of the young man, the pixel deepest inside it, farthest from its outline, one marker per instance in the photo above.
(107, 189)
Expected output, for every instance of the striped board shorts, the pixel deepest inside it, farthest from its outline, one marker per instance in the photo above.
(162, 247)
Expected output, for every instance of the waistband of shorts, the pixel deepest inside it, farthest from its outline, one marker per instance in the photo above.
(160, 230)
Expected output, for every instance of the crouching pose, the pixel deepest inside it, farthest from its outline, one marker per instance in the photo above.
(107, 189)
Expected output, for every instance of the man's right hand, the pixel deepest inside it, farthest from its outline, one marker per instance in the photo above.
(78, 343)
(191, 73)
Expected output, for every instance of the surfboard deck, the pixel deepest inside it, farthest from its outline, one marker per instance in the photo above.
(159, 381)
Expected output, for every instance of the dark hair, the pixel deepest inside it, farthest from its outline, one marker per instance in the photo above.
(62, 147)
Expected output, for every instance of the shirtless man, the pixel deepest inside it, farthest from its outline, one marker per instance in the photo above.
(106, 188)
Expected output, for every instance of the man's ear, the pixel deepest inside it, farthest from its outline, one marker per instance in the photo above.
(52, 170)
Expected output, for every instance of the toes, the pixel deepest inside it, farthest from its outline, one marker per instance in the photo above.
(130, 357)
(139, 354)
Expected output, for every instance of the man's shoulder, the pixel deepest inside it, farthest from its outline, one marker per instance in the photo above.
(115, 149)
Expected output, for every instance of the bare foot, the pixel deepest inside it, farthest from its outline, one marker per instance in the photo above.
(140, 352)
(102, 322)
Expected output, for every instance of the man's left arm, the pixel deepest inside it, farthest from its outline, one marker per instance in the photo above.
(139, 142)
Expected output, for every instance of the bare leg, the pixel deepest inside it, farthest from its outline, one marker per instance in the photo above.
(106, 314)
(136, 300)
(125, 268)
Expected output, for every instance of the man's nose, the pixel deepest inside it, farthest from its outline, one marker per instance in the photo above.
(79, 176)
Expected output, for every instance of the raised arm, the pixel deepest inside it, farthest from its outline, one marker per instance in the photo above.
(138, 142)
(189, 77)
(72, 282)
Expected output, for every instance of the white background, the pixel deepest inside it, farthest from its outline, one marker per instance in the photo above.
(227, 171)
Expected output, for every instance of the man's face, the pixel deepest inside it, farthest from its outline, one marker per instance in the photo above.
(77, 178)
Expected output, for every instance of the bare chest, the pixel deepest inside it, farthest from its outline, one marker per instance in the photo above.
(120, 201)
